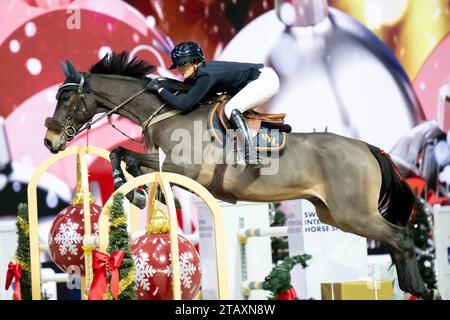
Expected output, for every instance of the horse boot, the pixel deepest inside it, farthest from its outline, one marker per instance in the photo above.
(251, 157)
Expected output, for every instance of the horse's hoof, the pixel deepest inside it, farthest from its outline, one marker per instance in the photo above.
(139, 199)
(435, 295)
(130, 196)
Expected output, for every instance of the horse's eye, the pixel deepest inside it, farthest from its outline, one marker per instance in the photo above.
(65, 97)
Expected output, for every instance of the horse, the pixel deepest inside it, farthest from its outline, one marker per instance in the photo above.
(353, 185)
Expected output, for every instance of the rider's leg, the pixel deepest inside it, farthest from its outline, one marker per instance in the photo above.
(253, 94)
(238, 122)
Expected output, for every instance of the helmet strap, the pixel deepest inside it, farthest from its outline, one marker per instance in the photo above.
(196, 66)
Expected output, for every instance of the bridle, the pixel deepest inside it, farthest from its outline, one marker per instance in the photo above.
(69, 128)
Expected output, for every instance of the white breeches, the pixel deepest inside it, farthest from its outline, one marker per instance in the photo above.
(255, 93)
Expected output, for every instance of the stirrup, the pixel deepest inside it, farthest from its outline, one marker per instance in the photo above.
(251, 157)
(256, 162)
(243, 161)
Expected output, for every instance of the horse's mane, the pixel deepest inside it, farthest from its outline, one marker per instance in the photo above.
(120, 63)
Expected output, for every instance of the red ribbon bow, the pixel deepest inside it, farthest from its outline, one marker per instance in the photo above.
(100, 281)
(288, 295)
(14, 272)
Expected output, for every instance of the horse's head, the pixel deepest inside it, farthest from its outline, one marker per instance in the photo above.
(75, 107)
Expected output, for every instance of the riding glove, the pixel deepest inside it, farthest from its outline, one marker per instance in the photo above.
(154, 86)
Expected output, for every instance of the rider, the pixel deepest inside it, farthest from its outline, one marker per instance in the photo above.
(249, 84)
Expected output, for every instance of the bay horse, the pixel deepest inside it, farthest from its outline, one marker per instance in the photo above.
(354, 186)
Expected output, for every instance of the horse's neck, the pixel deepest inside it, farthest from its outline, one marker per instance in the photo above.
(110, 91)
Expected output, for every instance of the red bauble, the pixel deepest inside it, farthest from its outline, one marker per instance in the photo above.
(154, 270)
(66, 236)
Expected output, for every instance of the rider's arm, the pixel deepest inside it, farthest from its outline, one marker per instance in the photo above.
(174, 85)
(186, 102)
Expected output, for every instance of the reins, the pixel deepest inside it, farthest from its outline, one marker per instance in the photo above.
(69, 129)
(107, 114)
(154, 117)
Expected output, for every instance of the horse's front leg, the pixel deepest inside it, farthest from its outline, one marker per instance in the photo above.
(136, 161)
(136, 197)
(133, 166)
(116, 156)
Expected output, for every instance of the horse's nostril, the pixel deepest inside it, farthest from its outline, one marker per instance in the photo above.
(48, 144)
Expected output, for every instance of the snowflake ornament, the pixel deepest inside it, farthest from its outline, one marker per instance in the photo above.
(154, 269)
(144, 271)
(66, 236)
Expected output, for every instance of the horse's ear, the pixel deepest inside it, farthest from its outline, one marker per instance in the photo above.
(73, 71)
(64, 68)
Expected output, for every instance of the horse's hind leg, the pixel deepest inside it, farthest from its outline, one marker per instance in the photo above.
(400, 243)
(404, 257)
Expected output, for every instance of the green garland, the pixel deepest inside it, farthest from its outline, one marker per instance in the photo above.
(119, 240)
(23, 250)
(279, 279)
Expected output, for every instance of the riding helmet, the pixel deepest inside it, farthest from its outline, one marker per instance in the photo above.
(186, 52)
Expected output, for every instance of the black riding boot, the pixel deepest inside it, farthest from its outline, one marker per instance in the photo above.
(251, 156)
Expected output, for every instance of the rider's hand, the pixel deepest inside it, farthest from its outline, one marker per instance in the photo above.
(153, 86)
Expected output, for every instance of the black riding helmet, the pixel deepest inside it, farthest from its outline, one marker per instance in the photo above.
(186, 52)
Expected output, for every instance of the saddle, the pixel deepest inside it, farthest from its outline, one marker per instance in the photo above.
(254, 119)
(268, 130)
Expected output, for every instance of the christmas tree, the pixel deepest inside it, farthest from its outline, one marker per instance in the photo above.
(279, 244)
(422, 226)
(278, 282)
(119, 241)
(23, 250)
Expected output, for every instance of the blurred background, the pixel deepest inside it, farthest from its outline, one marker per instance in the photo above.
(375, 70)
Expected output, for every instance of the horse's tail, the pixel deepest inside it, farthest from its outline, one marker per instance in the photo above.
(397, 201)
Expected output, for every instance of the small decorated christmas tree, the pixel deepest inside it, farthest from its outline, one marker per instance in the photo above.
(279, 244)
(119, 241)
(278, 282)
(422, 226)
(23, 250)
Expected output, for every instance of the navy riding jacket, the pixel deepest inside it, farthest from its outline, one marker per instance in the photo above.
(214, 77)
